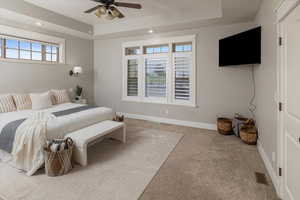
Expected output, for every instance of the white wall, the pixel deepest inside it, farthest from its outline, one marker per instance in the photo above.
(220, 91)
(265, 76)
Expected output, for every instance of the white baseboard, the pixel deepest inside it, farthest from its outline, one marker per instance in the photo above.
(269, 167)
(201, 125)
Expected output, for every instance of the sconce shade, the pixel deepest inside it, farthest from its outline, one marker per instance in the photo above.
(77, 70)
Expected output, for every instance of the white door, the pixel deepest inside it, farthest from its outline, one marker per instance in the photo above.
(290, 29)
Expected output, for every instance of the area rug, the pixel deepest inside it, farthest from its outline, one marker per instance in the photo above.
(115, 171)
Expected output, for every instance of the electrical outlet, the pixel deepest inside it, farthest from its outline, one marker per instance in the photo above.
(166, 111)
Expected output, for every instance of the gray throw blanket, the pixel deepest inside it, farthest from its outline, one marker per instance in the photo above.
(7, 135)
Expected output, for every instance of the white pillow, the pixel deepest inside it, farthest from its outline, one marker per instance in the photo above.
(41, 100)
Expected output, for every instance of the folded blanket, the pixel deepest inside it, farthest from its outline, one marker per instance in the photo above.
(27, 153)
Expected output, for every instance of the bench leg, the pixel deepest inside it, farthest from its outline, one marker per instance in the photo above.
(124, 133)
(119, 134)
(80, 155)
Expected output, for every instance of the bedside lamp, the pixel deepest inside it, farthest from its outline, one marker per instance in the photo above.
(76, 71)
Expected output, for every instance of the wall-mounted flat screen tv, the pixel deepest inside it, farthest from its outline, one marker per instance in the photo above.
(241, 49)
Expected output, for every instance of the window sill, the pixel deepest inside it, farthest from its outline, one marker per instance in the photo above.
(126, 99)
(29, 61)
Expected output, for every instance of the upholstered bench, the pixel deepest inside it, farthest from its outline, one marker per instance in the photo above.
(92, 134)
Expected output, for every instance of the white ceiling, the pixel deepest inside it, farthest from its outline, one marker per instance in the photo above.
(155, 13)
(75, 8)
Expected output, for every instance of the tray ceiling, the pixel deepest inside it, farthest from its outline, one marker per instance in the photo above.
(75, 8)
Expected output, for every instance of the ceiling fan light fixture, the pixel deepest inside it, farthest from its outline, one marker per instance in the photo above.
(102, 10)
(115, 12)
(108, 16)
(108, 9)
(98, 14)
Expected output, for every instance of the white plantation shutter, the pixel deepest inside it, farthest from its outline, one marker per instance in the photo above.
(132, 77)
(160, 71)
(155, 77)
(182, 65)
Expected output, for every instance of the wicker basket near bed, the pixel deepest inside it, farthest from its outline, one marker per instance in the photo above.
(248, 134)
(60, 162)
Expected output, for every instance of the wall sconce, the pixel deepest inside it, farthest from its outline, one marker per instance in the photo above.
(76, 71)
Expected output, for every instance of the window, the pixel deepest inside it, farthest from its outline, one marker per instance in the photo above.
(132, 51)
(17, 45)
(22, 49)
(156, 49)
(182, 47)
(132, 81)
(163, 72)
(182, 74)
(155, 77)
(51, 53)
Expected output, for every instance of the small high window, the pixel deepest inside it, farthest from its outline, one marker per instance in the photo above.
(22, 49)
(182, 47)
(156, 49)
(132, 51)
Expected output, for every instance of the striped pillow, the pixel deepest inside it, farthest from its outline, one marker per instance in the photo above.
(22, 101)
(61, 96)
(7, 103)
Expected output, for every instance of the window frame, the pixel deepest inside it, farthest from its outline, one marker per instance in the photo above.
(7, 32)
(170, 72)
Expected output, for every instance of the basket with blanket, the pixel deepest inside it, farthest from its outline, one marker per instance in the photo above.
(58, 156)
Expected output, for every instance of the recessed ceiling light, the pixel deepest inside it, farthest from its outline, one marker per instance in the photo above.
(38, 23)
(151, 31)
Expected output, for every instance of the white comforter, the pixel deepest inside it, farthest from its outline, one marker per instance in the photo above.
(59, 127)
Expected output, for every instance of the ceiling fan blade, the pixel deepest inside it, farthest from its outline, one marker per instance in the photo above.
(92, 9)
(128, 5)
(116, 12)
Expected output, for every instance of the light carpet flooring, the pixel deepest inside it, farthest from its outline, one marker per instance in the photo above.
(203, 166)
(207, 166)
(115, 171)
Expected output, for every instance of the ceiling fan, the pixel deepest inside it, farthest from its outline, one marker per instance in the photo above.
(108, 9)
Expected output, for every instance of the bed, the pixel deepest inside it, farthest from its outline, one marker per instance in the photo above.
(70, 117)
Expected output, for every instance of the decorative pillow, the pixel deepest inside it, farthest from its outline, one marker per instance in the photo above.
(7, 103)
(41, 101)
(22, 101)
(61, 96)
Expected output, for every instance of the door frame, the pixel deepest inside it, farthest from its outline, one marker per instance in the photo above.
(284, 8)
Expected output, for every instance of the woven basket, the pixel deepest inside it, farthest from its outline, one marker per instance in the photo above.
(224, 126)
(59, 163)
(237, 122)
(248, 134)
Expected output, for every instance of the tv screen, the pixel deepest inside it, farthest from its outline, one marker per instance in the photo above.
(241, 49)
